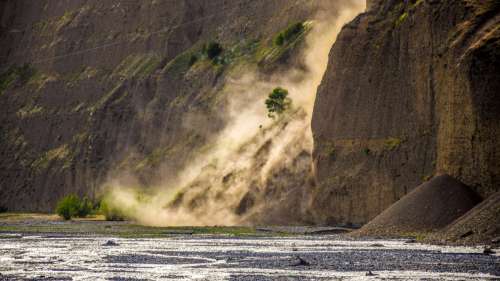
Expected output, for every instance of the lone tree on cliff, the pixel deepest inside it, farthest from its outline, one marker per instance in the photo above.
(278, 102)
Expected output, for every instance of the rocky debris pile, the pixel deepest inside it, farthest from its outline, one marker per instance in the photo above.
(479, 225)
(430, 207)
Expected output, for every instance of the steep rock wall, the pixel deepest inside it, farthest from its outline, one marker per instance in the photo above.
(93, 86)
(411, 91)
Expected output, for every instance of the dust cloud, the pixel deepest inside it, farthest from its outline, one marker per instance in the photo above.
(256, 166)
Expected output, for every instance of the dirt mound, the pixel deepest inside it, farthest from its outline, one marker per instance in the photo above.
(431, 206)
(481, 225)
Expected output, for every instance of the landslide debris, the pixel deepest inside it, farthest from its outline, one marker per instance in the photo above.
(479, 225)
(429, 207)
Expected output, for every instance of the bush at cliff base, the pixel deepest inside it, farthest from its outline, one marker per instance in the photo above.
(110, 212)
(71, 206)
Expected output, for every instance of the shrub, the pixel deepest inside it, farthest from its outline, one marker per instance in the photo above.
(289, 34)
(68, 207)
(279, 40)
(278, 102)
(193, 59)
(3, 209)
(213, 50)
(331, 152)
(25, 73)
(71, 206)
(110, 212)
(21, 74)
(86, 208)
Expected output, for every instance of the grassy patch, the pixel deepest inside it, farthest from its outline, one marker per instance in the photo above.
(61, 153)
(240, 52)
(416, 4)
(42, 223)
(16, 74)
(289, 34)
(64, 20)
(29, 110)
(38, 80)
(330, 150)
(78, 107)
(138, 66)
(9, 217)
(210, 54)
(392, 143)
(238, 56)
(402, 18)
(113, 94)
(272, 52)
(81, 74)
(154, 158)
(182, 63)
(96, 226)
(212, 50)
(14, 140)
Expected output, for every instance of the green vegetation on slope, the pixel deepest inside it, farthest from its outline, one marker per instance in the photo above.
(61, 153)
(392, 143)
(283, 43)
(138, 66)
(264, 52)
(19, 74)
(289, 34)
(402, 19)
(212, 50)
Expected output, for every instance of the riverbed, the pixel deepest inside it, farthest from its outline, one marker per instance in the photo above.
(220, 257)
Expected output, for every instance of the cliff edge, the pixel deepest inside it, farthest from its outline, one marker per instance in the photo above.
(411, 92)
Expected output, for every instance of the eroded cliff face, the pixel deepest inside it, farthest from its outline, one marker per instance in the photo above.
(90, 87)
(411, 91)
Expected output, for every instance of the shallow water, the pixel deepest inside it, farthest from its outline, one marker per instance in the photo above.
(225, 258)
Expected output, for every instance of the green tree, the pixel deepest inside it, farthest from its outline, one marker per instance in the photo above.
(278, 102)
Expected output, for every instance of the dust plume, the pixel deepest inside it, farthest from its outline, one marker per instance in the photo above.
(257, 169)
